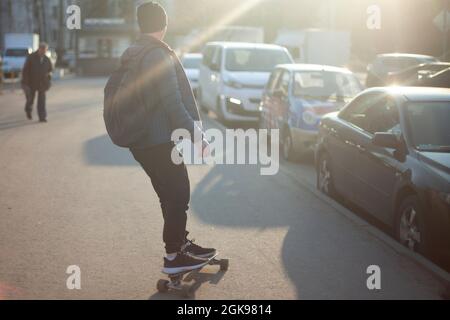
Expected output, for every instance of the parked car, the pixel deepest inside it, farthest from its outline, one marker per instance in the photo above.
(191, 63)
(296, 97)
(419, 75)
(388, 151)
(387, 63)
(439, 79)
(233, 76)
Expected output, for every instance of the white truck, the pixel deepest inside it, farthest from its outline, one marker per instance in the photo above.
(317, 46)
(17, 48)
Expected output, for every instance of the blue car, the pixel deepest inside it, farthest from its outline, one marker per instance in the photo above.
(297, 96)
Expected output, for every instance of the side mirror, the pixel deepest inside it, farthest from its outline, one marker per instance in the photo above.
(386, 140)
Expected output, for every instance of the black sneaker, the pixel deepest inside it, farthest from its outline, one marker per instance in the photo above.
(196, 251)
(182, 263)
(29, 116)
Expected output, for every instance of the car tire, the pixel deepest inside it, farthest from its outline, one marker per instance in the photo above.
(324, 175)
(410, 229)
(287, 147)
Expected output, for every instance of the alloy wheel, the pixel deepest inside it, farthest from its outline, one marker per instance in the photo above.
(409, 229)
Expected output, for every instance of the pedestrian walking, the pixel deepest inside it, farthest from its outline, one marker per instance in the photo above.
(36, 78)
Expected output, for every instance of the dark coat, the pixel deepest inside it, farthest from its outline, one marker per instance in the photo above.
(165, 86)
(37, 75)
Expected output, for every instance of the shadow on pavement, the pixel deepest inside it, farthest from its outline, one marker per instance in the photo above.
(100, 151)
(323, 254)
(5, 125)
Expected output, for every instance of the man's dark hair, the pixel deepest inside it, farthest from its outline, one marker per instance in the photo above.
(151, 17)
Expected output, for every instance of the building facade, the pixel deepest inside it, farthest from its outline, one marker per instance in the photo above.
(43, 17)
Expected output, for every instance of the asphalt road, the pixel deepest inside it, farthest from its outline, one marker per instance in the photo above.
(69, 197)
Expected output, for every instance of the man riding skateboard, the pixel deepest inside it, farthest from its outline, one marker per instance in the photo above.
(167, 87)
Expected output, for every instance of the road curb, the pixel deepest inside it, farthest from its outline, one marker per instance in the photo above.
(434, 269)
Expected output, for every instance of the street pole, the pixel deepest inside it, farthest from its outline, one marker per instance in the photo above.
(61, 42)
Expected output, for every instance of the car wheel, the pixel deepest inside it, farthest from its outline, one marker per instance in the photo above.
(287, 146)
(324, 175)
(410, 228)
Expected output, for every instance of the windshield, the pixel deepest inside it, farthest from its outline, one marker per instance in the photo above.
(255, 60)
(192, 63)
(16, 53)
(325, 85)
(395, 64)
(429, 125)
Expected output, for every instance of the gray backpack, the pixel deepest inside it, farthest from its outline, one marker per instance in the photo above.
(124, 111)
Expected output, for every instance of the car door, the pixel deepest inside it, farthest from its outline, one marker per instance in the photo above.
(344, 145)
(205, 77)
(267, 105)
(380, 168)
(216, 76)
(281, 100)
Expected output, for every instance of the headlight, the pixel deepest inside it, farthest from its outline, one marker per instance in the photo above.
(233, 84)
(235, 101)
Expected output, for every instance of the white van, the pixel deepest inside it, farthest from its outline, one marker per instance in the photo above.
(233, 76)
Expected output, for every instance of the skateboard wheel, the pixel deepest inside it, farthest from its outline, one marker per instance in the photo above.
(162, 286)
(224, 263)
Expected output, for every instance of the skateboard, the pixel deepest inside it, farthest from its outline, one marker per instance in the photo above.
(175, 282)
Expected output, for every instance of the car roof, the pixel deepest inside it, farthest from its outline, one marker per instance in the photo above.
(312, 67)
(226, 44)
(405, 55)
(415, 94)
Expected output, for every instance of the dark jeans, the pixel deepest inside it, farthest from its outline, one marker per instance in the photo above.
(171, 183)
(30, 95)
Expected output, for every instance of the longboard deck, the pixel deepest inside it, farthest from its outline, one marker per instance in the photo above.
(206, 262)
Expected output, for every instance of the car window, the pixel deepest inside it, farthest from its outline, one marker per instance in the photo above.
(217, 56)
(428, 125)
(273, 81)
(284, 82)
(255, 60)
(208, 55)
(191, 62)
(374, 113)
(383, 116)
(16, 53)
(355, 112)
(324, 85)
